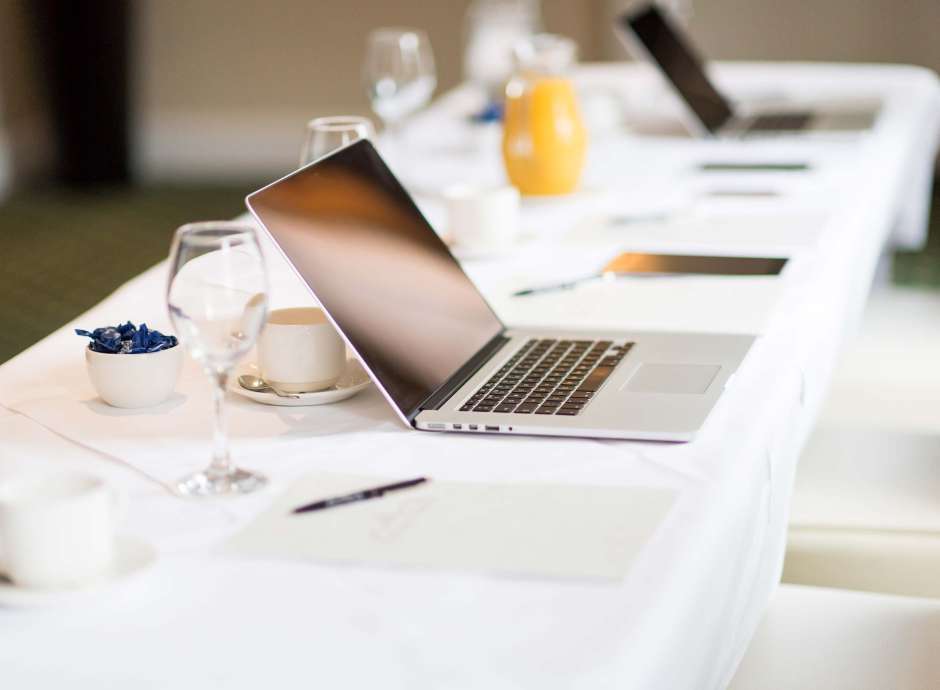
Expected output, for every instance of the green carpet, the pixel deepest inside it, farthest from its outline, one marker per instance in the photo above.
(63, 252)
(922, 269)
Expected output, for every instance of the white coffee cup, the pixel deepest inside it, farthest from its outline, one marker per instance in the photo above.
(299, 351)
(481, 218)
(56, 531)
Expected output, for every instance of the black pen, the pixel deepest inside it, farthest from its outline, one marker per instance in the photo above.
(756, 166)
(365, 495)
(606, 275)
(742, 192)
(567, 285)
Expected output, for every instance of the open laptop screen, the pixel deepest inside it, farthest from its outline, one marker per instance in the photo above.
(379, 270)
(682, 67)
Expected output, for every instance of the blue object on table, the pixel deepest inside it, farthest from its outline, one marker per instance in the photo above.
(127, 339)
(491, 112)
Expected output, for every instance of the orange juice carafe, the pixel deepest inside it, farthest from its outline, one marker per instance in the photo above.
(544, 140)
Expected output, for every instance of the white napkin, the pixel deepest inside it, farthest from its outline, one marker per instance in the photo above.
(549, 530)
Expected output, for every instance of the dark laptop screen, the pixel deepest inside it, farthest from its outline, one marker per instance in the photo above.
(679, 63)
(376, 266)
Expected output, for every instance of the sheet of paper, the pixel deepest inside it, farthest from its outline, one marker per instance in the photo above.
(534, 529)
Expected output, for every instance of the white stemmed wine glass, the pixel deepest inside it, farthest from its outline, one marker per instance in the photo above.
(398, 73)
(326, 134)
(217, 298)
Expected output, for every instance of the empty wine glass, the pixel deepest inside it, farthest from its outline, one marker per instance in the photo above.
(217, 299)
(326, 134)
(398, 73)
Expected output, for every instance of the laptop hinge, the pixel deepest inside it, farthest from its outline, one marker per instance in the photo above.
(473, 365)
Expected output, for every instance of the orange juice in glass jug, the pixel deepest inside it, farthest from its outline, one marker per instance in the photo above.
(544, 140)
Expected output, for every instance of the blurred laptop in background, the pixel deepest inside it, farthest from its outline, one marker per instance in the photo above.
(652, 36)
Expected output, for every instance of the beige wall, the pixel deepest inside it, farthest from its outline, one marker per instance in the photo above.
(905, 31)
(223, 87)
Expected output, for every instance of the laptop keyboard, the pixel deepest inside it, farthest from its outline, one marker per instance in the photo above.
(782, 122)
(548, 376)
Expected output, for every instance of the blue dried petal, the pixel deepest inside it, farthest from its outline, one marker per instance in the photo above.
(138, 339)
(127, 339)
(106, 340)
(155, 340)
(158, 341)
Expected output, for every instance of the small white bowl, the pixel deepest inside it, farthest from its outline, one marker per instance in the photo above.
(139, 380)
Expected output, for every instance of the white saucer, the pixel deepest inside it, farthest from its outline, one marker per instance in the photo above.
(132, 558)
(353, 380)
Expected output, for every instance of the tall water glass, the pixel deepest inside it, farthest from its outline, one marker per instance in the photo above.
(217, 299)
(326, 134)
(399, 73)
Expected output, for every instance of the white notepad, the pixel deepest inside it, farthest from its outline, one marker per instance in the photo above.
(549, 530)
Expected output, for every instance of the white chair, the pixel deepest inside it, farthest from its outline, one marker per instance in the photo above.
(866, 505)
(825, 639)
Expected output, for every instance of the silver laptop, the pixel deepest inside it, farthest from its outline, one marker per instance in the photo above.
(651, 35)
(437, 351)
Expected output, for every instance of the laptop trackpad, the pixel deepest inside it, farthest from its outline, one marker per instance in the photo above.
(672, 378)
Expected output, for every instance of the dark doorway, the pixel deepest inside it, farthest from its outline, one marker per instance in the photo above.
(84, 51)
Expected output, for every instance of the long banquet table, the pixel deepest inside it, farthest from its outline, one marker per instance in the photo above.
(683, 615)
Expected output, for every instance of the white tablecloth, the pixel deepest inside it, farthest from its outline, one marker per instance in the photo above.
(683, 615)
